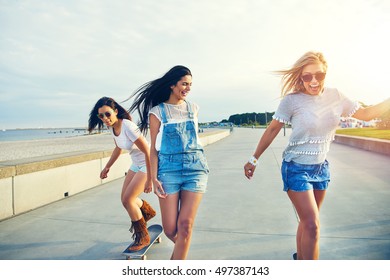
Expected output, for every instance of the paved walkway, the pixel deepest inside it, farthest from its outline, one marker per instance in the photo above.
(237, 219)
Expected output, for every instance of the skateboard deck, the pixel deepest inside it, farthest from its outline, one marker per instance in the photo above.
(155, 232)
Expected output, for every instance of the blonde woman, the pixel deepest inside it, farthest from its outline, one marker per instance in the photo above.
(314, 112)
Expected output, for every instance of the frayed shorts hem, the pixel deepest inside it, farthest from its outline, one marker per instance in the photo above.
(174, 183)
(136, 168)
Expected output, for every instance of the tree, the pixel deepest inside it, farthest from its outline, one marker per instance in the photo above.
(251, 118)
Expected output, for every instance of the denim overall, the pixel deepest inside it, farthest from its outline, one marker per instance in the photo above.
(182, 164)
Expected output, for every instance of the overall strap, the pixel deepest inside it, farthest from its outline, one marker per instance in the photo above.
(163, 115)
(190, 112)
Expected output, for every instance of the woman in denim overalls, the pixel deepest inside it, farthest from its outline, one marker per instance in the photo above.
(178, 166)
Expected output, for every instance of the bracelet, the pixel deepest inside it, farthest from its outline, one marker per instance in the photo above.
(253, 161)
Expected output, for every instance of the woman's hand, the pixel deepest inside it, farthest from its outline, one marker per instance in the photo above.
(249, 169)
(104, 173)
(148, 186)
(158, 189)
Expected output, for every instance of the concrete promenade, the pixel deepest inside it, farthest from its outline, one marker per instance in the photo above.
(238, 218)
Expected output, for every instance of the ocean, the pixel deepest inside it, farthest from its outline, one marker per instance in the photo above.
(34, 134)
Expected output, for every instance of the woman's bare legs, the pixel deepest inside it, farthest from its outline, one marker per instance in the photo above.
(178, 222)
(169, 207)
(133, 186)
(308, 205)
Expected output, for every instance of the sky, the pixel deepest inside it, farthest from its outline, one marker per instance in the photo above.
(57, 58)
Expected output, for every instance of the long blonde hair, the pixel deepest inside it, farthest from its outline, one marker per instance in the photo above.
(291, 78)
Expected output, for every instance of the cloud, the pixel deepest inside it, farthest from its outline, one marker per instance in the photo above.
(66, 54)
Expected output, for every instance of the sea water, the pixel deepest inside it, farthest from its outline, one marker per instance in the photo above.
(33, 134)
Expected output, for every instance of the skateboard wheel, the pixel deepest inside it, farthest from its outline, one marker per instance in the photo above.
(158, 240)
(143, 257)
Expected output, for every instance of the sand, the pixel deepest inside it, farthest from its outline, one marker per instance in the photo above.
(29, 149)
(16, 150)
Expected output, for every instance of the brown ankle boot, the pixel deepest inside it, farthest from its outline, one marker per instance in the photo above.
(141, 236)
(147, 211)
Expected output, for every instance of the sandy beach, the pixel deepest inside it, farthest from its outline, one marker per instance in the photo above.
(18, 150)
(29, 149)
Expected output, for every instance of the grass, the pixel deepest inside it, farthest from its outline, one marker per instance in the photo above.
(366, 132)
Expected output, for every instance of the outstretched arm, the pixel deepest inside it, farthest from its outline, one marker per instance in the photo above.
(266, 140)
(114, 156)
(372, 112)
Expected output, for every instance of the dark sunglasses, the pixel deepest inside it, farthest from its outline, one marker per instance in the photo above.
(308, 77)
(105, 114)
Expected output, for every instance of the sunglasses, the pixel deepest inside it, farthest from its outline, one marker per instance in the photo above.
(105, 114)
(309, 77)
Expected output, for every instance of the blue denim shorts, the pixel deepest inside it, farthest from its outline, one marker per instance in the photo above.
(303, 177)
(136, 168)
(183, 172)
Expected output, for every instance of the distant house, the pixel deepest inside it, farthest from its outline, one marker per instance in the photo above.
(355, 123)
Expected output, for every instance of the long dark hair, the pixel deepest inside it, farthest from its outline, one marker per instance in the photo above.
(156, 92)
(94, 120)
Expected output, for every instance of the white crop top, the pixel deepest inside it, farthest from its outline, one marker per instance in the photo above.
(125, 140)
(314, 120)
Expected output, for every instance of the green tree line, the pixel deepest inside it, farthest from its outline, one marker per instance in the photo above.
(251, 118)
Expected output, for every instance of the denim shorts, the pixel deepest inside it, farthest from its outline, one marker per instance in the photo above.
(303, 177)
(183, 172)
(136, 168)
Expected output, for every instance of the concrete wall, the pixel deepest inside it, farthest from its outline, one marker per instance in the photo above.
(365, 143)
(211, 137)
(26, 185)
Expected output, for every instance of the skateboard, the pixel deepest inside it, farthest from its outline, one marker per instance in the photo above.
(155, 232)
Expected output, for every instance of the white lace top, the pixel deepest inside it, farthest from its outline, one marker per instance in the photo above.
(314, 120)
(174, 114)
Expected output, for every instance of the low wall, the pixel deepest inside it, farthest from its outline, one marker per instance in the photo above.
(26, 185)
(365, 143)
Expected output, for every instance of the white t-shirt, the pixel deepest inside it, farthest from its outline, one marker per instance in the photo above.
(125, 140)
(174, 114)
(314, 120)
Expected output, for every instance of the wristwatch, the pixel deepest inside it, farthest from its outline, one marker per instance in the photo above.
(252, 160)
